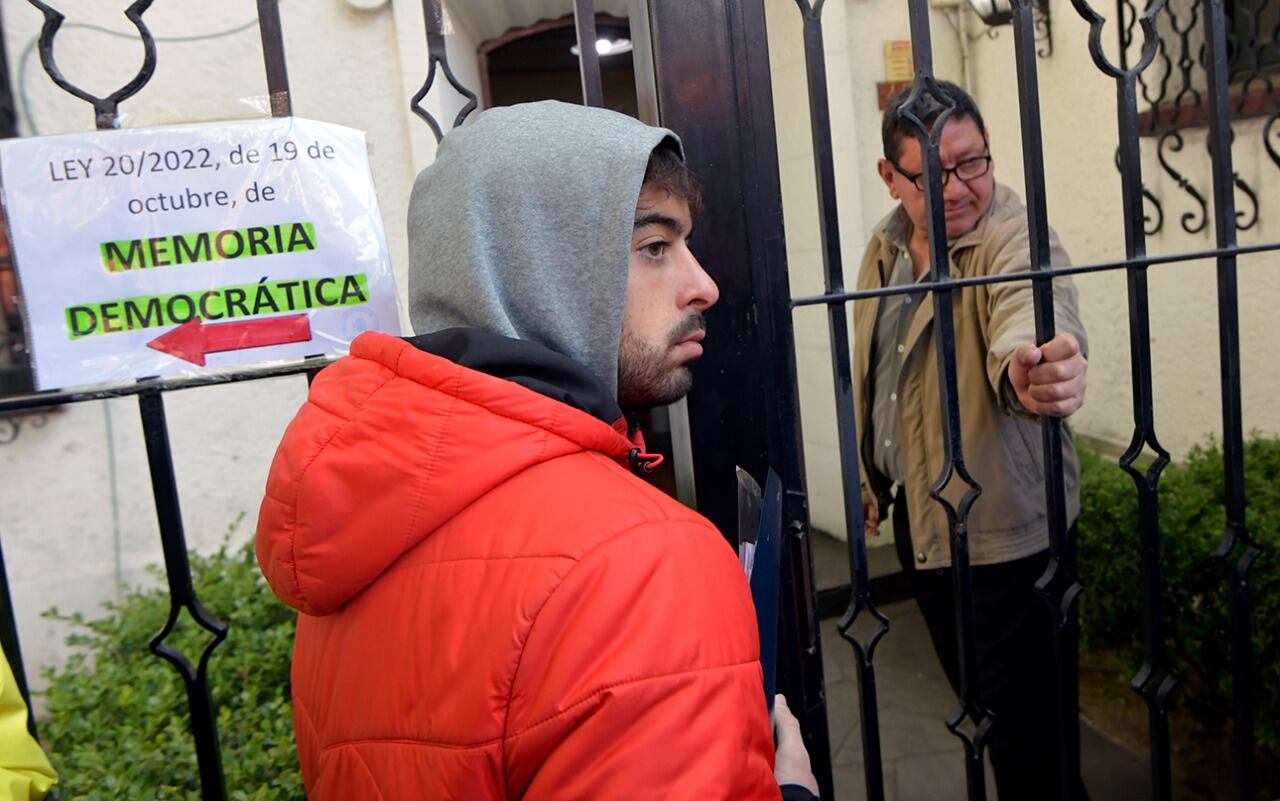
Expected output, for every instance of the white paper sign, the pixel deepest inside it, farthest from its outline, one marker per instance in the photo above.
(167, 251)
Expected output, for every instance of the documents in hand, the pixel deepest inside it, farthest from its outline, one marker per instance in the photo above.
(760, 552)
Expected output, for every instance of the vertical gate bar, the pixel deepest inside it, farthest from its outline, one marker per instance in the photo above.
(273, 57)
(971, 706)
(846, 415)
(1059, 586)
(1154, 687)
(1237, 550)
(182, 594)
(1155, 681)
(642, 59)
(584, 18)
(9, 642)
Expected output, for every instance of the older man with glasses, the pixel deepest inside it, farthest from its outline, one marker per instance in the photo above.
(1005, 385)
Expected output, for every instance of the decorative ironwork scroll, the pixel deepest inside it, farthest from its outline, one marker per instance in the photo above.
(1043, 26)
(11, 425)
(1193, 222)
(438, 58)
(106, 109)
(1174, 93)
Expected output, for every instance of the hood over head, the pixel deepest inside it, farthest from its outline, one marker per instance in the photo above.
(522, 226)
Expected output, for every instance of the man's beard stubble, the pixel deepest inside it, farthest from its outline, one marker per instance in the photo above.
(646, 375)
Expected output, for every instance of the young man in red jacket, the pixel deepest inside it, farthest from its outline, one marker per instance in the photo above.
(493, 606)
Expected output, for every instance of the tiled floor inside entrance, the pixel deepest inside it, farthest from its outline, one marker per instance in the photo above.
(922, 760)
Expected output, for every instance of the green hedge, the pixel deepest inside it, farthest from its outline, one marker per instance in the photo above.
(117, 724)
(1196, 597)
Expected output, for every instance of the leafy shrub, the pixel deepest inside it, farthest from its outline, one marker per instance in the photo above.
(1197, 599)
(118, 726)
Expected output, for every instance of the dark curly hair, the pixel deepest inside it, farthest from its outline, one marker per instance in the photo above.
(894, 127)
(668, 171)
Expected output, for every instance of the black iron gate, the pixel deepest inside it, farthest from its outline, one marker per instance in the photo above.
(702, 68)
(732, 138)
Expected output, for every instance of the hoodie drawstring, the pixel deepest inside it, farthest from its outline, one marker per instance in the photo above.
(643, 462)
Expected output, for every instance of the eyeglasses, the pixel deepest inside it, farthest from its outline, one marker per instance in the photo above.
(967, 170)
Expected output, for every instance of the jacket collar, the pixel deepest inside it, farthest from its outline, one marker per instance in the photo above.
(526, 363)
(542, 370)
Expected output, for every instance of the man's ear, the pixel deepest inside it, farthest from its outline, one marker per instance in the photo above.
(885, 168)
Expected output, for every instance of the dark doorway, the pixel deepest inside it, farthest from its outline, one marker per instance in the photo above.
(537, 63)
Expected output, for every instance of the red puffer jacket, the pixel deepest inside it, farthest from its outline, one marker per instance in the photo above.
(493, 607)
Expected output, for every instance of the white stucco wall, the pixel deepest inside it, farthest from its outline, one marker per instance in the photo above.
(1083, 193)
(78, 516)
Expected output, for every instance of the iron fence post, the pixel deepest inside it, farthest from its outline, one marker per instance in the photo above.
(1060, 586)
(182, 596)
(860, 602)
(972, 721)
(273, 57)
(1237, 550)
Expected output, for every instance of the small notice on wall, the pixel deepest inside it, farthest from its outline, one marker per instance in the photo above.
(165, 251)
(898, 65)
(899, 71)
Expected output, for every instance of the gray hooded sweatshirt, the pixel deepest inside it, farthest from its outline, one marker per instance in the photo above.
(522, 228)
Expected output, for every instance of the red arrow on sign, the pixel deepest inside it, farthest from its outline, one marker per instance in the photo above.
(192, 340)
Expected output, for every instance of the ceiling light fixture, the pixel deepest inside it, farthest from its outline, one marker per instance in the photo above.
(608, 47)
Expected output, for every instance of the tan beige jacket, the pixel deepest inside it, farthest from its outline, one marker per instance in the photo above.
(1001, 441)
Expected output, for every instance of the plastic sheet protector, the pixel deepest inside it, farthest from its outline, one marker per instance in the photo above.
(175, 251)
